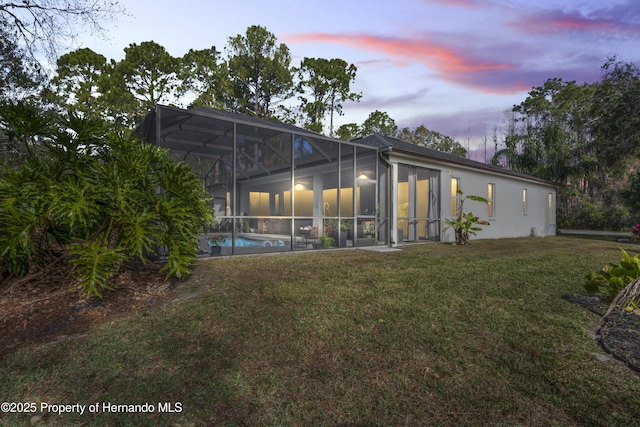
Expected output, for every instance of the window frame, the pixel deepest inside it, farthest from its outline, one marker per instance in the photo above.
(455, 196)
(491, 198)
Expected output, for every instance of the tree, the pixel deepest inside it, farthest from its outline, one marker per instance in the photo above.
(616, 112)
(631, 194)
(78, 80)
(259, 70)
(148, 75)
(549, 137)
(206, 76)
(379, 122)
(20, 75)
(432, 139)
(42, 25)
(348, 131)
(556, 138)
(327, 82)
(583, 137)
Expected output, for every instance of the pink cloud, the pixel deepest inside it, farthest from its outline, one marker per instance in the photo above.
(451, 64)
(558, 21)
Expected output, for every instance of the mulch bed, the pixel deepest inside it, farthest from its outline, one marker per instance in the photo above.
(45, 309)
(619, 333)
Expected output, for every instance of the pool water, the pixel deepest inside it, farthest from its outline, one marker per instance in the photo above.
(241, 241)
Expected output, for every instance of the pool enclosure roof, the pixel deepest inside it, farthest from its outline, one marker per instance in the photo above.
(209, 132)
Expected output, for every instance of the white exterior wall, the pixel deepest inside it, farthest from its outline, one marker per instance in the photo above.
(509, 219)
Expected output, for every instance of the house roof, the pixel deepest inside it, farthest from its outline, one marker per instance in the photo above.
(393, 145)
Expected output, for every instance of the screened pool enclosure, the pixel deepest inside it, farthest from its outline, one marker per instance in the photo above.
(276, 187)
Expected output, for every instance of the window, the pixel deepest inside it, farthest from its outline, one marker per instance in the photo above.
(455, 197)
(303, 203)
(550, 208)
(490, 197)
(524, 201)
(259, 203)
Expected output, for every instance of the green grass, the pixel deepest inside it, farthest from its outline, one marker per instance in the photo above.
(432, 335)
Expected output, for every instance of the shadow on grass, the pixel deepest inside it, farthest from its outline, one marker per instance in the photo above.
(150, 361)
(434, 334)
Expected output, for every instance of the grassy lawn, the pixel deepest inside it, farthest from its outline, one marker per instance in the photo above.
(432, 335)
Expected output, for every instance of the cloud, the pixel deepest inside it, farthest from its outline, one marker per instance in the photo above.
(490, 50)
(474, 125)
(615, 21)
(468, 4)
(402, 100)
(476, 130)
(453, 64)
(373, 62)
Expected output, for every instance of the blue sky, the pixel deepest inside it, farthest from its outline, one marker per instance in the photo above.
(453, 65)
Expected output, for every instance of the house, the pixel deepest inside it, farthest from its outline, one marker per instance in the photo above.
(277, 187)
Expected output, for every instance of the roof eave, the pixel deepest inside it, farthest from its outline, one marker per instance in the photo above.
(463, 163)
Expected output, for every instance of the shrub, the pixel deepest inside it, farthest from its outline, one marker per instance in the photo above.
(98, 200)
(465, 224)
(614, 278)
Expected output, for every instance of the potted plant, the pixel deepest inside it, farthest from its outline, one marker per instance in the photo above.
(368, 228)
(331, 226)
(326, 241)
(369, 225)
(214, 243)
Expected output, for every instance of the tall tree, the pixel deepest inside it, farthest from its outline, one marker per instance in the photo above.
(20, 75)
(205, 76)
(324, 85)
(579, 137)
(549, 136)
(379, 122)
(505, 150)
(432, 139)
(77, 80)
(43, 25)
(148, 75)
(616, 111)
(260, 73)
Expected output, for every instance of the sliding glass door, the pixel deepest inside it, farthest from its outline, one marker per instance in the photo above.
(418, 203)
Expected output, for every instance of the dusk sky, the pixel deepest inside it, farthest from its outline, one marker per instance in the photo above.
(453, 65)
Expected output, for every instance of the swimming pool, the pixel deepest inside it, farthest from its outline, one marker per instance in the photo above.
(241, 241)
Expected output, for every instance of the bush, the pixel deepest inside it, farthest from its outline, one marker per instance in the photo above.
(613, 278)
(98, 200)
(465, 224)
